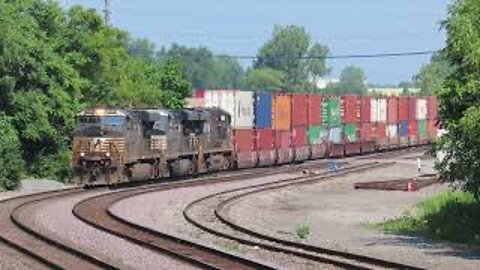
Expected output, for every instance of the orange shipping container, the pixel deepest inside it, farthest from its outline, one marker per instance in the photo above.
(281, 112)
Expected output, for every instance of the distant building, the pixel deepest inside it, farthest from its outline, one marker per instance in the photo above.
(322, 83)
(391, 91)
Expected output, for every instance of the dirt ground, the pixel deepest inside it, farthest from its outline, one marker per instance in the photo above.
(336, 215)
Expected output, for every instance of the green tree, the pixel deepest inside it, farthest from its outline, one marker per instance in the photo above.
(284, 52)
(264, 79)
(227, 73)
(432, 76)
(317, 66)
(460, 97)
(11, 163)
(142, 48)
(352, 81)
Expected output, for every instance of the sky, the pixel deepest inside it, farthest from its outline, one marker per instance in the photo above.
(241, 27)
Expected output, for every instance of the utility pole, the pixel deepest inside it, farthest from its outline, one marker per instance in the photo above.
(106, 11)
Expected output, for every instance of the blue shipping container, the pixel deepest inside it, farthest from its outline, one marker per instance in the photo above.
(403, 129)
(263, 110)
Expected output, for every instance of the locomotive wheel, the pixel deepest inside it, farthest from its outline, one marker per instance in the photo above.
(226, 164)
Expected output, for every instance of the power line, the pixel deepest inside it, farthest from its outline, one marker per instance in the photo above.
(346, 56)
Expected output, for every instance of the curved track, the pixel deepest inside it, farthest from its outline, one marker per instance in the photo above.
(323, 255)
(39, 247)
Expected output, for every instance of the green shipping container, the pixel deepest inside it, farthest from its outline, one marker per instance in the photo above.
(350, 131)
(331, 111)
(422, 128)
(316, 134)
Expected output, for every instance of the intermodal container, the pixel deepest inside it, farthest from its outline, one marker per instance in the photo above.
(382, 136)
(382, 110)
(299, 136)
(403, 108)
(281, 111)
(392, 110)
(265, 139)
(331, 111)
(403, 129)
(223, 99)
(367, 132)
(392, 131)
(283, 138)
(263, 110)
(373, 110)
(299, 109)
(366, 108)
(194, 102)
(317, 134)
(244, 140)
(432, 107)
(421, 109)
(199, 93)
(412, 128)
(314, 109)
(335, 135)
(432, 129)
(212, 99)
(412, 108)
(350, 109)
(422, 129)
(243, 115)
(350, 132)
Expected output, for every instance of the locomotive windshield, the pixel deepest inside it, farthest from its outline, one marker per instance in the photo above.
(110, 120)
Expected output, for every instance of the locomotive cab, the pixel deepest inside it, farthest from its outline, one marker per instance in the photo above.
(99, 145)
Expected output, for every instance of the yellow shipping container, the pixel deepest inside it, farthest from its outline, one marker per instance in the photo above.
(281, 111)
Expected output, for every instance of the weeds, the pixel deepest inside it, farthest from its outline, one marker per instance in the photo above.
(302, 231)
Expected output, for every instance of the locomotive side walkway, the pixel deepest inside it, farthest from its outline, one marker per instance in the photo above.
(336, 214)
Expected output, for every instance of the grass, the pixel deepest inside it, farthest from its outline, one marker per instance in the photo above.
(448, 216)
(302, 231)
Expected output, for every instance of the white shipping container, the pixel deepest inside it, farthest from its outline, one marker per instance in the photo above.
(211, 99)
(421, 109)
(194, 102)
(243, 116)
(392, 131)
(373, 110)
(382, 110)
(335, 135)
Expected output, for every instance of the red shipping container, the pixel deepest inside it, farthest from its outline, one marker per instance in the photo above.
(412, 128)
(299, 136)
(314, 109)
(244, 140)
(199, 93)
(367, 132)
(432, 107)
(392, 110)
(299, 109)
(365, 114)
(264, 139)
(412, 108)
(350, 109)
(403, 108)
(283, 139)
(432, 129)
(382, 136)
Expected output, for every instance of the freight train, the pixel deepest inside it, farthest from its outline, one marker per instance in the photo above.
(237, 129)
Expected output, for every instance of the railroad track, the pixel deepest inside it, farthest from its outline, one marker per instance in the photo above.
(252, 238)
(37, 246)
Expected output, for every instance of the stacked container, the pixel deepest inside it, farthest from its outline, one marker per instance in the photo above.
(281, 123)
(331, 118)
(392, 122)
(351, 112)
(432, 117)
(403, 109)
(300, 117)
(421, 116)
(367, 132)
(264, 134)
(379, 120)
(316, 133)
(412, 121)
(240, 106)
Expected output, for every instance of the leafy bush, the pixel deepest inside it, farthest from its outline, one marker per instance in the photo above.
(302, 231)
(11, 163)
(448, 216)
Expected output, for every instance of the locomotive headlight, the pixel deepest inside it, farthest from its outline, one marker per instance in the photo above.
(82, 154)
(107, 154)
